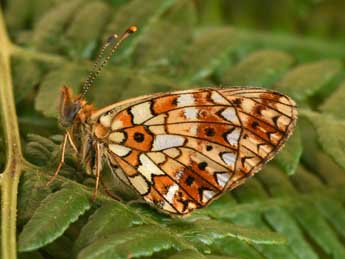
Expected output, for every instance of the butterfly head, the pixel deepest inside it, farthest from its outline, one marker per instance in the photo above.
(70, 106)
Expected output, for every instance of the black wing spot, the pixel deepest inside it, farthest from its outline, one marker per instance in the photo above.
(275, 120)
(255, 124)
(189, 180)
(185, 204)
(237, 102)
(174, 102)
(209, 147)
(139, 137)
(243, 159)
(210, 132)
(202, 165)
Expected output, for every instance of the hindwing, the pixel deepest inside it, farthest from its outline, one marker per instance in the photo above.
(181, 150)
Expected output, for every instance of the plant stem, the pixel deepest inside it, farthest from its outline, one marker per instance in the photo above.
(14, 157)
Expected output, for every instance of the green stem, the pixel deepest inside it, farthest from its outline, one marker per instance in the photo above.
(14, 157)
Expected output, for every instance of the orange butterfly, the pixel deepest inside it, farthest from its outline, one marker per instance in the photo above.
(179, 150)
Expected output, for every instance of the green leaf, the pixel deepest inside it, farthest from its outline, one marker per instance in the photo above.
(196, 255)
(134, 12)
(47, 98)
(31, 188)
(330, 136)
(335, 104)
(172, 32)
(318, 230)
(110, 218)
(197, 64)
(53, 217)
(309, 79)
(333, 211)
(135, 242)
(207, 231)
(260, 68)
(234, 248)
(280, 220)
(81, 42)
(289, 158)
(27, 75)
(48, 30)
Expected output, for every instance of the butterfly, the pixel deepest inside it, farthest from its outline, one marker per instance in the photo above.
(178, 150)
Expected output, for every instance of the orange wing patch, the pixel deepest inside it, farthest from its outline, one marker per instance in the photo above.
(181, 150)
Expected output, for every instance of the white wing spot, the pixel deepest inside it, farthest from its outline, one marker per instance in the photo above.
(179, 175)
(229, 158)
(117, 137)
(207, 195)
(119, 150)
(222, 179)
(185, 100)
(117, 124)
(218, 99)
(106, 119)
(230, 115)
(169, 196)
(191, 113)
(233, 136)
(148, 168)
(167, 141)
(141, 112)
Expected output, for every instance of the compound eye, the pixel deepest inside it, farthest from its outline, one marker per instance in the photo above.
(69, 113)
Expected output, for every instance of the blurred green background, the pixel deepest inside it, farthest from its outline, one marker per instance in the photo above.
(296, 47)
(319, 18)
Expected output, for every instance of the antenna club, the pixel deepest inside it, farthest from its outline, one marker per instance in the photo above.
(113, 41)
(132, 29)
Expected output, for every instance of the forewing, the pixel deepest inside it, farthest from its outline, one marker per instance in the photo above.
(183, 149)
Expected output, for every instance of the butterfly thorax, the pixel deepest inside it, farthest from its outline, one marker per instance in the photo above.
(75, 117)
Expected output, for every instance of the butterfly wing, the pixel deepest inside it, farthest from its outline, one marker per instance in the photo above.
(267, 120)
(181, 150)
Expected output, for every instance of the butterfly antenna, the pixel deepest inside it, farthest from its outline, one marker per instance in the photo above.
(114, 42)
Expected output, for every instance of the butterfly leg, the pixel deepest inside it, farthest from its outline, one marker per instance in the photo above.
(109, 193)
(97, 169)
(71, 142)
(62, 159)
(67, 138)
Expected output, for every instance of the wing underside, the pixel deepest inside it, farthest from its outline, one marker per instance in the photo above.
(181, 150)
